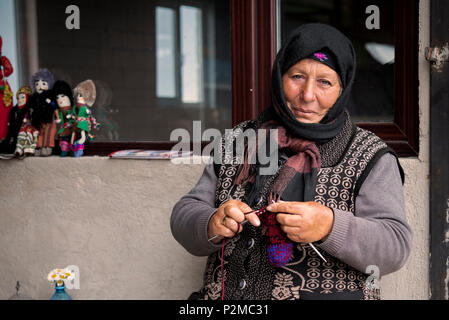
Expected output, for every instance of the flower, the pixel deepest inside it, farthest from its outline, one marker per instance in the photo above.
(60, 276)
(320, 56)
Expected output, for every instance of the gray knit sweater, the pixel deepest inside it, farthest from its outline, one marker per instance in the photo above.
(377, 234)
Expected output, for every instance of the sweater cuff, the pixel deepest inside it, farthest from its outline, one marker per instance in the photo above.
(203, 223)
(339, 232)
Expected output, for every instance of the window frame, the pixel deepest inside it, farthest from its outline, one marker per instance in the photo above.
(254, 47)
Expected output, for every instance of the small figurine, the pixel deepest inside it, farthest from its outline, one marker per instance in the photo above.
(65, 118)
(6, 95)
(18, 295)
(85, 95)
(45, 112)
(16, 118)
(29, 131)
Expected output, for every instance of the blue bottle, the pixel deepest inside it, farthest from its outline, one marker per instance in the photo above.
(60, 293)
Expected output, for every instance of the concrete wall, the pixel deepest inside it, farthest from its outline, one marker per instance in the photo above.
(111, 218)
(108, 217)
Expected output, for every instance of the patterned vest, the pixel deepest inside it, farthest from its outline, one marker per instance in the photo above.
(347, 160)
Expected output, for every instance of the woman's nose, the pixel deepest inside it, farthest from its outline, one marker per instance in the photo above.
(308, 93)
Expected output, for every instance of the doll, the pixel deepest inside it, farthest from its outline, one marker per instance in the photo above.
(5, 93)
(85, 95)
(45, 112)
(29, 131)
(65, 118)
(16, 118)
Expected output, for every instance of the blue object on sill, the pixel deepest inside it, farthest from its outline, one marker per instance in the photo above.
(60, 293)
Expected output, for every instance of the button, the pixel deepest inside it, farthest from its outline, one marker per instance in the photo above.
(250, 243)
(242, 284)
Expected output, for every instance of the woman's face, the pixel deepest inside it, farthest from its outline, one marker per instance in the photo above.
(311, 89)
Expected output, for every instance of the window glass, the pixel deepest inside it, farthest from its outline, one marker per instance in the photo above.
(165, 52)
(158, 65)
(191, 57)
(370, 26)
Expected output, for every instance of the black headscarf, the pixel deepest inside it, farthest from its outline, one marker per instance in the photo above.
(302, 43)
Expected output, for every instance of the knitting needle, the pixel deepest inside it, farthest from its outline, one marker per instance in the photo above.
(310, 244)
(246, 221)
(217, 236)
(242, 224)
(316, 250)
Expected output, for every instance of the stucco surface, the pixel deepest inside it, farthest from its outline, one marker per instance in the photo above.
(108, 217)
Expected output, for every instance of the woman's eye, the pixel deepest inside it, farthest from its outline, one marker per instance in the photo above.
(298, 76)
(325, 83)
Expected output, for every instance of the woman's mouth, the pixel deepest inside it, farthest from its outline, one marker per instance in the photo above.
(302, 110)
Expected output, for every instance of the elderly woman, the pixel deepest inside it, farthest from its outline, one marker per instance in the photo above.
(335, 210)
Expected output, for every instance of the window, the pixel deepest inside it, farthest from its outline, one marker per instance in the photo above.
(191, 57)
(190, 88)
(158, 65)
(165, 53)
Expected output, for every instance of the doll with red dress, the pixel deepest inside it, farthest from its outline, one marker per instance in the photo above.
(6, 95)
(16, 119)
(29, 130)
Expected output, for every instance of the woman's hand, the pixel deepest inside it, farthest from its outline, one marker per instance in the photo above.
(304, 222)
(226, 221)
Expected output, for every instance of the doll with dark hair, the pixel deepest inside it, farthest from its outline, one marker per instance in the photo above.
(6, 96)
(85, 95)
(45, 113)
(16, 119)
(65, 118)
